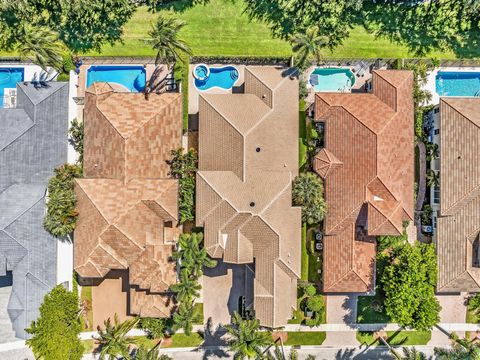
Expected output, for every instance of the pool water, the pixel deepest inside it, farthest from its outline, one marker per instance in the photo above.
(9, 77)
(223, 77)
(458, 83)
(331, 79)
(132, 78)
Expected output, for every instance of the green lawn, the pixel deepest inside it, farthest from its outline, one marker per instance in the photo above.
(367, 314)
(304, 269)
(313, 263)
(396, 338)
(86, 295)
(182, 340)
(471, 317)
(221, 28)
(305, 338)
(302, 141)
(87, 346)
(198, 310)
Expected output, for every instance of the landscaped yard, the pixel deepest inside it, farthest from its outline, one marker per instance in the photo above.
(472, 317)
(304, 269)
(86, 297)
(198, 311)
(305, 338)
(221, 28)
(302, 141)
(370, 310)
(313, 264)
(396, 338)
(182, 340)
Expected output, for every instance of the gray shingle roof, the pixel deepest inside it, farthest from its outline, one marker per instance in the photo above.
(33, 141)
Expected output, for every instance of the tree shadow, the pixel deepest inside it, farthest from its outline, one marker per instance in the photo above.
(174, 5)
(212, 339)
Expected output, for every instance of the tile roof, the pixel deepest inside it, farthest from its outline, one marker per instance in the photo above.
(458, 226)
(248, 157)
(367, 166)
(33, 141)
(127, 205)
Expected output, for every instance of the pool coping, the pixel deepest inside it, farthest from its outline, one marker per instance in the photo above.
(214, 87)
(313, 68)
(118, 66)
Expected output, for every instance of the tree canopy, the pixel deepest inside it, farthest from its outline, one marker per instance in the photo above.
(82, 25)
(307, 192)
(408, 279)
(55, 332)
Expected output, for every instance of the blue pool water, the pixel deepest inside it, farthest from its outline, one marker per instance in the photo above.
(331, 79)
(8, 79)
(224, 78)
(131, 77)
(458, 83)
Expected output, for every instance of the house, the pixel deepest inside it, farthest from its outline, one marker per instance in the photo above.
(367, 167)
(248, 158)
(458, 220)
(127, 204)
(33, 141)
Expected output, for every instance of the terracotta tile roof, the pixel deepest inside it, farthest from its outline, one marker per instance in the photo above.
(367, 165)
(458, 226)
(248, 157)
(127, 206)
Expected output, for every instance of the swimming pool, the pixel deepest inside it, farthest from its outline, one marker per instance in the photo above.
(331, 79)
(132, 78)
(207, 77)
(8, 80)
(457, 83)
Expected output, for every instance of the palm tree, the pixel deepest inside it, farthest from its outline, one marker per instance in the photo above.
(41, 46)
(462, 349)
(411, 354)
(114, 340)
(164, 40)
(187, 288)
(192, 255)
(184, 318)
(147, 354)
(307, 44)
(433, 178)
(245, 339)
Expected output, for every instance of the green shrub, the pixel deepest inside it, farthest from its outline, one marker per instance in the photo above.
(316, 303)
(474, 303)
(67, 65)
(183, 167)
(307, 192)
(75, 138)
(63, 77)
(55, 332)
(61, 215)
(154, 327)
(309, 290)
(427, 214)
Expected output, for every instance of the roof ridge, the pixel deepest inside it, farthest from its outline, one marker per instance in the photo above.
(225, 117)
(458, 111)
(460, 202)
(344, 220)
(381, 72)
(20, 135)
(26, 210)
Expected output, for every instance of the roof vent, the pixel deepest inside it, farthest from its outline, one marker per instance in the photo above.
(264, 96)
(376, 198)
(258, 149)
(252, 204)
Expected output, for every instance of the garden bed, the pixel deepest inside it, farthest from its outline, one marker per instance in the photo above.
(370, 310)
(305, 338)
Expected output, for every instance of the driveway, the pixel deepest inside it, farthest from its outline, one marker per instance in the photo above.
(222, 287)
(341, 309)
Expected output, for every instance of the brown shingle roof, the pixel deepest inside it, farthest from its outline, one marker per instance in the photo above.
(127, 205)
(458, 226)
(248, 157)
(367, 164)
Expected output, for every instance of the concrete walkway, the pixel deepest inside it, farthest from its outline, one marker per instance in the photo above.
(341, 310)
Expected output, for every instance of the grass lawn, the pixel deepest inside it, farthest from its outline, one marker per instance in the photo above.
(304, 269)
(182, 340)
(305, 338)
(198, 310)
(313, 263)
(221, 28)
(365, 312)
(396, 338)
(87, 346)
(86, 295)
(302, 141)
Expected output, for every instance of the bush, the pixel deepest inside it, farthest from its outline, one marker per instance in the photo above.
(183, 167)
(61, 215)
(67, 64)
(63, 77)
(302, 90)
(75, 138)
(408, 279)
(474, 303)
(309, 290)
(55, 332)
(307, 192)
(154, 327)
(427, 214)
(316, 303)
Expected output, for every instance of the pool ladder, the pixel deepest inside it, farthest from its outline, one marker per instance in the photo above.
(234, 74)
(477, 94)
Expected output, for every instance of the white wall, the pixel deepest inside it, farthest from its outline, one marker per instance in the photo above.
(65, 262)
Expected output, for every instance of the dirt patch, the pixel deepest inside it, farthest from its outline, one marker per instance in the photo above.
(280, 334)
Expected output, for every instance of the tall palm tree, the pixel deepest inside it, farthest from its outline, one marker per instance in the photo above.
(245, 339)
(184, 318)
(187, 288)
(164, 40)
(144, 353)
(308, 44)
(114, 340)
(192, 255)
(411, 354)
(433, 178)
(41, 46)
